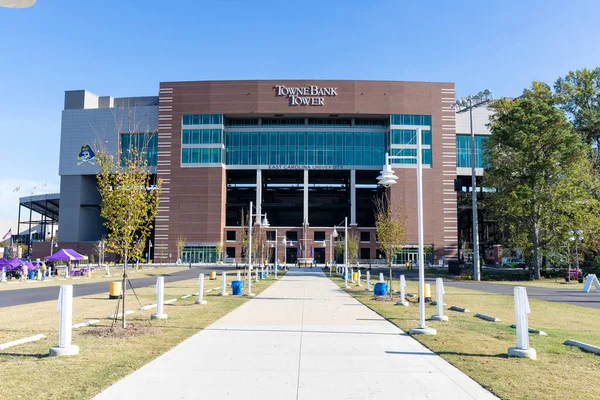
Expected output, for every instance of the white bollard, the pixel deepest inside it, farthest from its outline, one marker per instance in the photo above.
(268, 270)
(107, 270)
(275, 266)
(352, 275)
(262, 271)
(256, 275)
(39, 275)
(67, 272)
(89, 272)
(368, 289)
(224, 288)
(250, 294)
(381, 277)
(238, 276)
(201, 290)
(346, 278)
(402, 301)
(3, 274)
(358, 284)
(65, 330)
(439, 299)
(160, 298)
(521, 310)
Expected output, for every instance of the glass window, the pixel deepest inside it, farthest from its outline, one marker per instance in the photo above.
(205, 119)
(301, 139)
(185, 137)
(216, 136)
(186, 120)
(230, 235)
(426, 137)
(195, 120)
(329, 139)
(185, 156)
(320, 139)
(365, 236)
(195, 156)
(195, 136)
(215, 155)
(310, 140)
(283, 139)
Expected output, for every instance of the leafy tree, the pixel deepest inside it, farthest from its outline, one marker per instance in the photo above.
(180, 245)
(535, 164)
(578, 94)
(128, 207)
(219, 250)
(353, 245)
(390, 225)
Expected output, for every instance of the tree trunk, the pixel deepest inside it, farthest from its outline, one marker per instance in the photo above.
(391, 292)
(536, 258)
(123, 287)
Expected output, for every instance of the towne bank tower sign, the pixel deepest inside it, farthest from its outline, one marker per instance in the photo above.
(305, 96)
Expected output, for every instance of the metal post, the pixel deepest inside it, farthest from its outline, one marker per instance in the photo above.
(474, 198)
(250, 252)
(346, 241)
(576, 253)
(422, 328)
(29, 233)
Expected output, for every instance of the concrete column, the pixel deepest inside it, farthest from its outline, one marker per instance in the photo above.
(258, 195)
(353, 197)
(306, 196)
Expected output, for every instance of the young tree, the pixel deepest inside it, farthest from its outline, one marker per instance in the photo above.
(390, 225)
(128, 206)
(219, 250)
(353, 245)
(180, 245)
(534, 160)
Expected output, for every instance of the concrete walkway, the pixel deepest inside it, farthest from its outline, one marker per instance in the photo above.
(302, 338)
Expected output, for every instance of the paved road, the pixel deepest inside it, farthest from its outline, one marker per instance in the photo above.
(34, 295)
(302, 338)
(556, 295)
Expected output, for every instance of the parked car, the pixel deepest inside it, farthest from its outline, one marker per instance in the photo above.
(574, 274)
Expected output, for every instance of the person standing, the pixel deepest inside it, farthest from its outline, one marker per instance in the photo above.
(43, 271)
(23, 272)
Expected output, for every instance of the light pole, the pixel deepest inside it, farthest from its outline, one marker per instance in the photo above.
(463, 105)
(265, 224)
(575, 236)
(388, 178)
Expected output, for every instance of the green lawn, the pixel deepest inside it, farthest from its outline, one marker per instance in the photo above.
(28, 372)
(479, 348)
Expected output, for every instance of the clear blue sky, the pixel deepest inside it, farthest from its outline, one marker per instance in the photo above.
(125, 48)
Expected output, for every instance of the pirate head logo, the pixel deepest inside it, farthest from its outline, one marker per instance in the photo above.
(86, 155)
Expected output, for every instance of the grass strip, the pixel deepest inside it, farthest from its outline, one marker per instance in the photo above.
(479, 348)
(103, 360)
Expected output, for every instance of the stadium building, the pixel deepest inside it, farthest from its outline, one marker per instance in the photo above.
(305, 152)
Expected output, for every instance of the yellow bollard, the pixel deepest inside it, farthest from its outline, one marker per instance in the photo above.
(115, 290)
(427, 293)
(355, 277)
(213, 275)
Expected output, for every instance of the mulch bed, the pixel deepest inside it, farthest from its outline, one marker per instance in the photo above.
(133, 330)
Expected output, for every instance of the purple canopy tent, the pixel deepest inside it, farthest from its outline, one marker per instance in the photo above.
(66, 255)
(11, 264)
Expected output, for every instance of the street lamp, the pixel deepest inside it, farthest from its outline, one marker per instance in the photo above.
(575, 236)
(264, 224)
(388, 178)
(463, 105)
